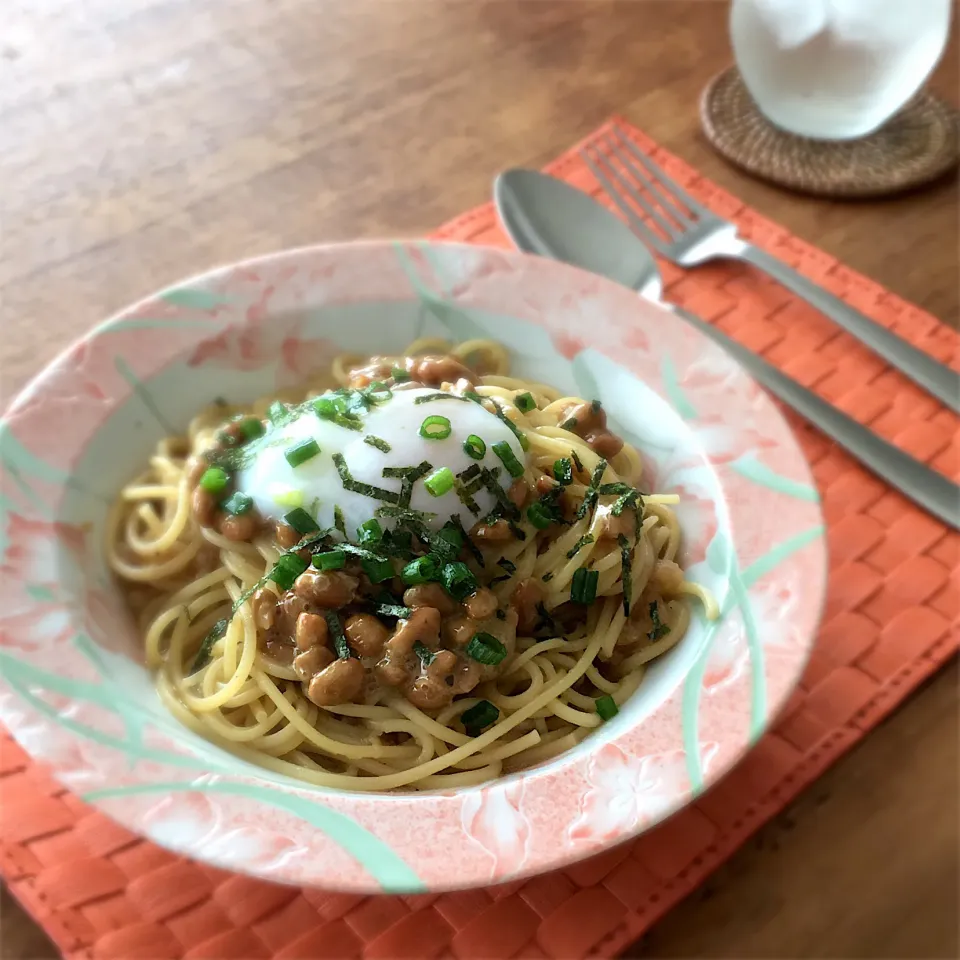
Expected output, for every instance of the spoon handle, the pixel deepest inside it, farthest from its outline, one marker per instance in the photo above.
(926, 487)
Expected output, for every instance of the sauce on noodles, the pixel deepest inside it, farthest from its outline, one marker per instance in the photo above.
(426, 576)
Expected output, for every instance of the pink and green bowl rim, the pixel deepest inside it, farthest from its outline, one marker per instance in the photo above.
(74, 694)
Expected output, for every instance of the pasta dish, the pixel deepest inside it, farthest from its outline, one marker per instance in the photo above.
(421, 572)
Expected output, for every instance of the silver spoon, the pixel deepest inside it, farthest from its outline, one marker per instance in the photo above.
(546, 216)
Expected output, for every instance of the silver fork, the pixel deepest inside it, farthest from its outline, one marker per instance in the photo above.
(686, 232)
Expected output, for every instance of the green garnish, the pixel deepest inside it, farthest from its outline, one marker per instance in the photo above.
(331, 560)
(339, 409)
(659, 629)
(607, 489)
(301, 521)
(563, 471)
(569, 424)
(440, 395)
(485, 648)
(396, 610)
(378, 392)
(399, 374)
(459, 580)
(238, 504)
(480, 715)
(279, 414)
(301, 452)
(377, 570)
(517, 432)
(251, 428)
(425, 654)
(381, 445)
(592, 494)
(545, 621)
(339, 522)
(421, 570)
(370, 532)
(215, 633)
(576, 461)
(606, 707)
(524, 402)
(579, 545)
(454, 524)
(336, 634)
(435, 428)
(368, 490)
(286, 570)
(626, 567)
(627, 502)
(447, 543)
(538, 516)
(214, 480)
(547, 577)
(440, 482)
(474, 447)
(508, 458)
(583, 587)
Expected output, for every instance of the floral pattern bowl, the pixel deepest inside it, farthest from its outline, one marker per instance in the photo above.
(75, 694)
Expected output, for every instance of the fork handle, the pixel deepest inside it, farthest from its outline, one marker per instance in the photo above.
(931, 490)
(935, 377)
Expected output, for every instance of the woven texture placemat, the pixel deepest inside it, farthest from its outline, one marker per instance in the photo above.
(890, 620)
(918, 144)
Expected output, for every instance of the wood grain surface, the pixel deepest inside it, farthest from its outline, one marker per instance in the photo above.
(144, 141)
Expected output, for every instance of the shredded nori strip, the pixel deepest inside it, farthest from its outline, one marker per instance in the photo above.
(576, 460)
(367, 489)
(579, 545)
(659, 629)
(550, 504)
(339, 522)
(215, 633)
(472, 548)
(395, 610)
(596, 406)
(362, 552)
(546, 621)
(569, 424)
(501, 615)
(517, 432)
(440, 395)
(509, 566)
(425, 654)
(606, 489)
(408, 476)
(381, 445)
(592, 494)
(547, 577)
(626, 566)
(404, 513)
(336, 633)
(627, 502)
(491, 482)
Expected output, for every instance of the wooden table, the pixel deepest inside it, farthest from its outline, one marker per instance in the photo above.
(141, 142)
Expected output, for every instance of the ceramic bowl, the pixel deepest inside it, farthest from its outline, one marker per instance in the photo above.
(75, 693)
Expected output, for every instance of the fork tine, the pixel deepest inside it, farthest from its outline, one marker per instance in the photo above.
(635, 221)
(671, 231)
(668, 204)
(694, 206)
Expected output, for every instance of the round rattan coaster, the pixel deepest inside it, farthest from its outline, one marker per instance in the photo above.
(916, 145)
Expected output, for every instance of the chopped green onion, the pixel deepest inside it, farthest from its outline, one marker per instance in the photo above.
(301, 452)
(583, 587)
(336, 634)
(238, 504)
(301, 521)
(480, 715)
(508, 458)
(524, 402)
(339, 522)
(378, 392)
(485, 648)
(439, 482)
(399, 374)
(563, 471)
(425, 654)
(395, 610)
(579, 545)
(459, 580)
(626, 574)
(251, 428)
(331, 560)
(370, 532)
(435, 428)
(569, 424)
(214, 480)
(474, 447)
(373, 441)
(606, 707)
(338, 410)
(538, 516)
(659, 629)
(279, 414)
(377, 570)
(421, 570)
(286, 570)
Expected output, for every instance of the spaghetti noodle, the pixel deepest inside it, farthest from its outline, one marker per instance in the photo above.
(422, 652)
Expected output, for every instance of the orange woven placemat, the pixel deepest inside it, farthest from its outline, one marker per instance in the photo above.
(890, 620)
